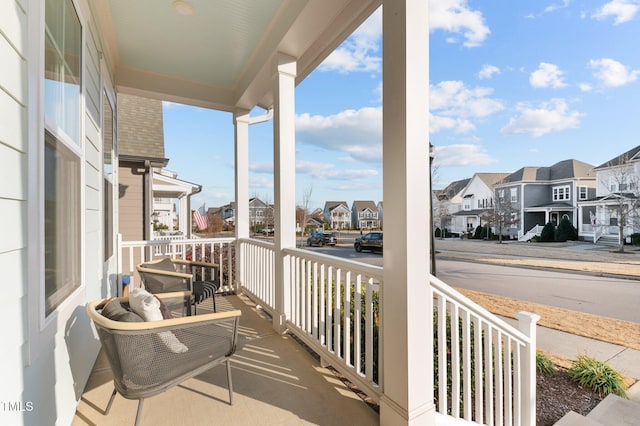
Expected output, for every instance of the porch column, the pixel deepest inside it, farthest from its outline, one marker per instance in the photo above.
(189, 217)
(407, 302)
(284, 176)
(241, 122)
(184, 216)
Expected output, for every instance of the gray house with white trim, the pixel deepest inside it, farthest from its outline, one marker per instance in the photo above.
(539, 195)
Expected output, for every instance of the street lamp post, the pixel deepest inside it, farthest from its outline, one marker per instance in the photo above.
(432, 248)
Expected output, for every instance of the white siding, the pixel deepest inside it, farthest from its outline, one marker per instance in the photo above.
(13, 201)
(49, 369)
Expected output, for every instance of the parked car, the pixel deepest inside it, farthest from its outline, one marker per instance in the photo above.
(371, 242)
(266, 231)
(322, 239)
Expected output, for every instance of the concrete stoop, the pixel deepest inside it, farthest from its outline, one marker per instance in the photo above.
(612, 411)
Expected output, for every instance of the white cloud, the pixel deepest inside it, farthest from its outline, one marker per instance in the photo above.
(461, 155)
(261, 181)
(556, 6)
(550, 116)
(455, 16)
(622, 11)
(612, 73)
(357, 133)
(454, 106)
(488, 71)
(328, 171)
(547, 75)
(360, 52)
(262, 167)
(585, 87)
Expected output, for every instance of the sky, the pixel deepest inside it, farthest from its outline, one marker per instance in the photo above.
(512, 84)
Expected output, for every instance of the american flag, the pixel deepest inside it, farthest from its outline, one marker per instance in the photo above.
(200, 218)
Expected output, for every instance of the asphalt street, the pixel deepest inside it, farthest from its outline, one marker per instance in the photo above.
(610, 297)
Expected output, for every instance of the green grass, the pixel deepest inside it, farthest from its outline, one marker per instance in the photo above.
(597, 376)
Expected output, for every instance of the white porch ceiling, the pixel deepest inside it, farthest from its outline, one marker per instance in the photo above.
(222, 55)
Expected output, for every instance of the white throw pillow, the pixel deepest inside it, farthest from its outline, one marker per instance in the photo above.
(147, 306)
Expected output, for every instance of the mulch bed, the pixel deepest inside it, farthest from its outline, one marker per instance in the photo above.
(557, 394)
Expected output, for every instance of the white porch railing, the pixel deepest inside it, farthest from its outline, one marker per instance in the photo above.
(533, 232)
(484, 369)
(257, 274)
(213, 250)
(335, 311)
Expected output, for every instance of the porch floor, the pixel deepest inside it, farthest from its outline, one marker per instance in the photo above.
(275, 382)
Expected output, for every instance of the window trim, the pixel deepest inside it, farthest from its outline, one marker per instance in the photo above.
(583, 193)
(561, 193)
(42, 329)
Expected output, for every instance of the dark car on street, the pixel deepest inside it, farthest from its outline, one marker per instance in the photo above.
(370, 242)
(322, 239)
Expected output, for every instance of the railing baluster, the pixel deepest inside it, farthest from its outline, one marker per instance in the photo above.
(357, 323)
(347, 319)
(329, 316)
(337, 321)
(369, 330)
(466, 365)
(498, 365)
(488, 383)
(477, 355)
(323, 311)
(314, 290)
(442, 354)
(507, 376)
(455, 361)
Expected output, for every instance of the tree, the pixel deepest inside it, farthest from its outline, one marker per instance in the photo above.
(304, 208)
(548, 233)
(566, 231)
(503, 215)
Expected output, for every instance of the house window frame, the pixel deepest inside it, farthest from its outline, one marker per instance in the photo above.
(561, 193)
(513, 192)
(43, 328)
(583, 193)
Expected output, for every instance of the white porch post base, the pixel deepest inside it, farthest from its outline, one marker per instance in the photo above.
(279, 323)
(393, 414)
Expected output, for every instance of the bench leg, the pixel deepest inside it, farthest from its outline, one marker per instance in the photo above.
(110, 403)
(139, 412)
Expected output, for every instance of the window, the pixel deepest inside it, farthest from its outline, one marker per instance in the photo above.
(583, 193)
(62, 171)
(514, 195)
(501, 194)
(62, 63)
(107, 173)
(561, 193)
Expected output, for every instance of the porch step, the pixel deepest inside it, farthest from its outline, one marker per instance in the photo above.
(613, 410)
(574, 419)
(608, 240)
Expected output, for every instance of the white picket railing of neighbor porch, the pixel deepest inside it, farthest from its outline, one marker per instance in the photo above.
(484, 368)
(213, 250)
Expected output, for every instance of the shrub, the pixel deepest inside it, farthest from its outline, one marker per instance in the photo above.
(548, 233)
(597, 376)
(477, 234)
(437, 232)
(566, 231)
(635, 239)
(544, 364)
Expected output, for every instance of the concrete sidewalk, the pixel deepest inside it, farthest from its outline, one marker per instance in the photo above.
(567, 345)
